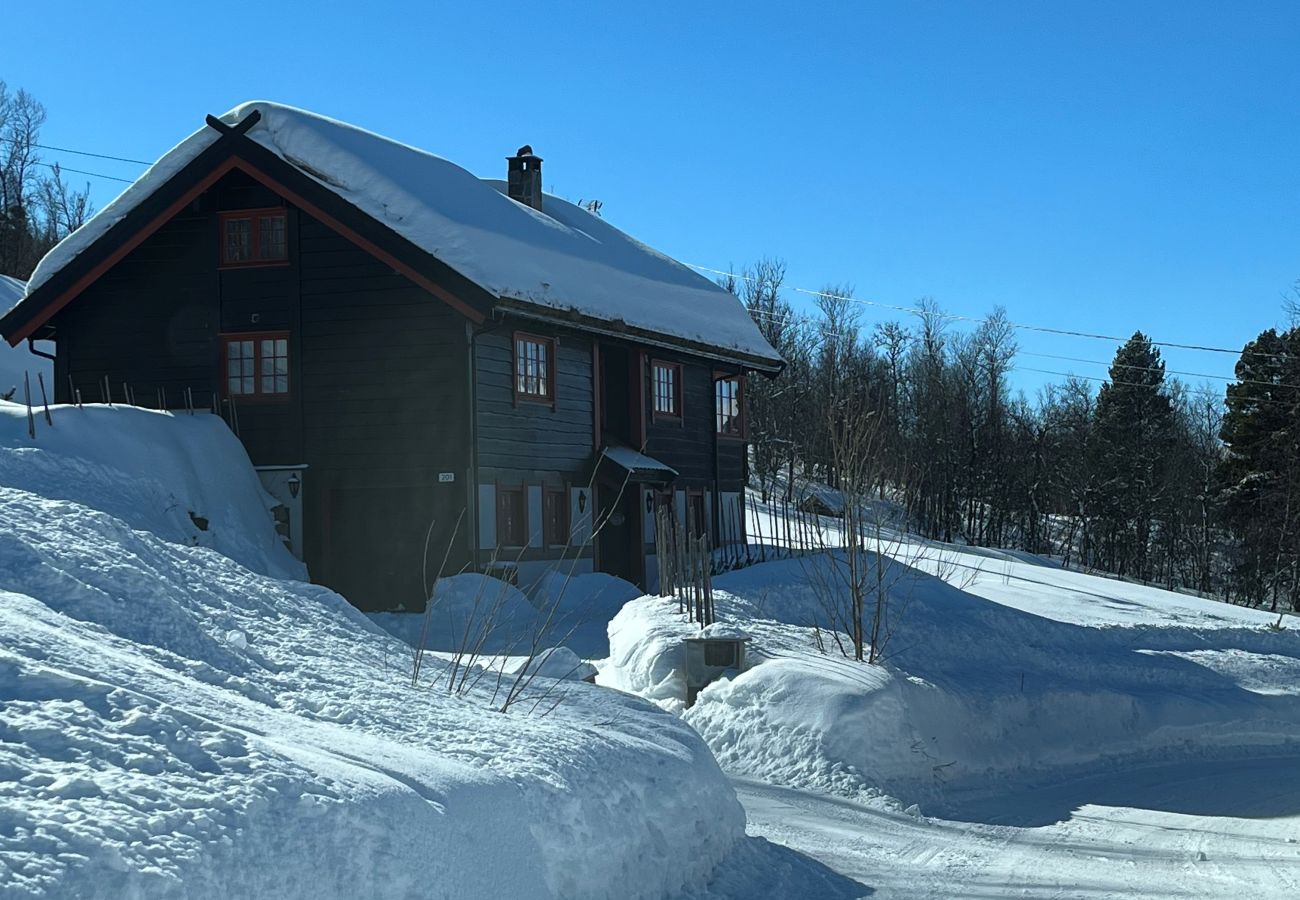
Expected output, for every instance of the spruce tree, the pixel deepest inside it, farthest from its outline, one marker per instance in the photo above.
(1128, 455)
(1260, 473)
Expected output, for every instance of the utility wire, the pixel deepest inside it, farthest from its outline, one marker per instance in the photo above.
(62, 168)
(138, 162)
(1043, 329)
(815, 322)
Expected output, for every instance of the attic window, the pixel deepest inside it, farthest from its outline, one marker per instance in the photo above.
(534, 368)
(254, 237)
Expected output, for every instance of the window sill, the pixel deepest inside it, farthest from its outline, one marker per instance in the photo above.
(256, 264)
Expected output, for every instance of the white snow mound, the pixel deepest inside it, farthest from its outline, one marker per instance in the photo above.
(185, 718)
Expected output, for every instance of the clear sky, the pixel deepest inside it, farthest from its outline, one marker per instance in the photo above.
(1097, 166)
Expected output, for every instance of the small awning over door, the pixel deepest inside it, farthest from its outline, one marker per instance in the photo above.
(619, 465)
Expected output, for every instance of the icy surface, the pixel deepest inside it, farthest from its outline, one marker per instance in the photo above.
(562, 259)
(184, 718)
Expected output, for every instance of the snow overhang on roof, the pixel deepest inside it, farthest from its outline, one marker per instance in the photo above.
(624, 465)
(565, 261)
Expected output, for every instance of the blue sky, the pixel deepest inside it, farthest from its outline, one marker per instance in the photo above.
(1094, 166)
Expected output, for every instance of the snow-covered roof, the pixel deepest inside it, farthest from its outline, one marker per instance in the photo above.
(635, 461)
(563, 259)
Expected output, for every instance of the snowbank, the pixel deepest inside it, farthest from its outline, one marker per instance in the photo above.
(974, 691)
(15, 362)
(581, 607)
(181, 723)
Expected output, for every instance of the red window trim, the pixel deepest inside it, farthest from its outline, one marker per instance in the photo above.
(739, 378)
(522, 490)
(676, 369)
(552, 345)
(566, 527)
(255, 245)
(257, 396)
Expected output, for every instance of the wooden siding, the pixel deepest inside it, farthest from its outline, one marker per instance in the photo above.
(379, 383)
(385, 398)
(689, 444)
(150, 322)
(525, 442)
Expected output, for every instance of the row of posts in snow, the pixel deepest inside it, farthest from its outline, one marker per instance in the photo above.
(106, 397)
(687, 563)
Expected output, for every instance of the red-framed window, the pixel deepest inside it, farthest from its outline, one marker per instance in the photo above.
(729, 398)
(666, 389)
(512, 516)
(254, 237)
(534, 368)
(255, 365)
(555, 516)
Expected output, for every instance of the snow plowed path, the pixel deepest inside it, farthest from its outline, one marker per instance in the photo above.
(1192, 829)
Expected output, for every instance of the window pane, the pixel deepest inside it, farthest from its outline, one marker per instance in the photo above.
(233, 386)
(281, 366)
(268, 384)
(281, 347)
(268, 349)
(282, 384)
(271, 237)
(238, 243)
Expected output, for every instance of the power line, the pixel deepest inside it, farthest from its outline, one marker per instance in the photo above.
(138, 162)
(62, 168)
(1024, 326)
(813, 321)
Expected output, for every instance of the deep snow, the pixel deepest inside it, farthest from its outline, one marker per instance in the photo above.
(183, 717)
(1033, 731)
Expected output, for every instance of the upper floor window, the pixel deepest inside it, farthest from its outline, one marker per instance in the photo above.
(256, 365)
(729, 396)
(254, 237)
(534, 368)
(667, 381)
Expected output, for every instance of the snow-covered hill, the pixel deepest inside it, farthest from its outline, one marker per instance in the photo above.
(184, 717)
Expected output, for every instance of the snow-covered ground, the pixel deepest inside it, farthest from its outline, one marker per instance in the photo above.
(1033, 731)
(17, 362)
(184, 717)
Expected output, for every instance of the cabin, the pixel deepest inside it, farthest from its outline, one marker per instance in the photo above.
(433, 372)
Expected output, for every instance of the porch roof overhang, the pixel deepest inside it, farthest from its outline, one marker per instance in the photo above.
(623, 465)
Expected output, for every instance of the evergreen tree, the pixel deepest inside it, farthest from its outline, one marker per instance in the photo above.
(1128, 456)
(1259, 474)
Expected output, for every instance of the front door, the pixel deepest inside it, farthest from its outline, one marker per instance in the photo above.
(619, 550)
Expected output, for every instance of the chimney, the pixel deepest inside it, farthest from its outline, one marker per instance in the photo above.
(524, 177)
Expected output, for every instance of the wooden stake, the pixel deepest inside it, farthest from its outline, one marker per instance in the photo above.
(31, 419)
(45, 400)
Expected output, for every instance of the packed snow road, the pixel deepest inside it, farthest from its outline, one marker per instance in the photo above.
(1189, 829)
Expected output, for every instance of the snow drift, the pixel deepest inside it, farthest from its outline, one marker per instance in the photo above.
(979, 686)
(184, 718)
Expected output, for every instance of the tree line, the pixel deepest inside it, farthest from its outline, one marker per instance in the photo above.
(1145, 476)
